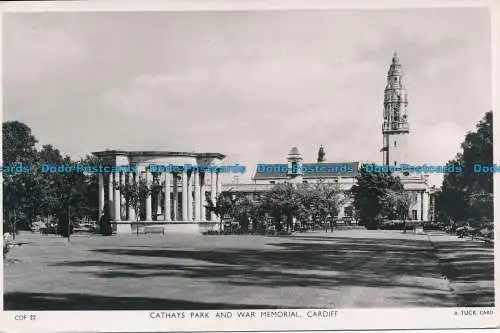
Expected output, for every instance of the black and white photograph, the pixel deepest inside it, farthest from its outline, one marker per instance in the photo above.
(287, 164)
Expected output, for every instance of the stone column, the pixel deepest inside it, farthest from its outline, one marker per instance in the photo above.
(213, 182)
(175, 197)
(432, 203)
(148, 199)
(417, 205)
(203, 199)
(184, 196)
(190, 197)
(110, 197)
(197, 196)
(219, 183)
(138, 177)
(131, 209)
(123, 204)
(166, 199)
(159, 210)
(117, 198)
(101, 196)
(422, 206)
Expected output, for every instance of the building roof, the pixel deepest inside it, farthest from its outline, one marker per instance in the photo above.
(294, 151)
(310, 170)
(161, 153)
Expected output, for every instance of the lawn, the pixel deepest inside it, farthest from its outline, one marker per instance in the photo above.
(341, 269)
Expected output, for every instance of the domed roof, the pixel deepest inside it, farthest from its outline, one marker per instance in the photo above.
(294, 155)
(294, 151)
(321, 154)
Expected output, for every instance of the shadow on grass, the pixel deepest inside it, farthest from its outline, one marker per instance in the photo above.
(467, 265)
(338, 263)
(330, 263)
(82, 302)
(476, 298)
(465, 262)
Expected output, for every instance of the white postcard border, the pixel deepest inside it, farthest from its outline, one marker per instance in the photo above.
(344, 319)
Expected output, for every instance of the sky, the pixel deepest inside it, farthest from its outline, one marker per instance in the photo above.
(248, 84)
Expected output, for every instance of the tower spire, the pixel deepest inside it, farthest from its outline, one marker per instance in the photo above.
(395, 126)
(395, 58)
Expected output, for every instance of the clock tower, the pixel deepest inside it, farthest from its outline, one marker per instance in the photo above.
(395, 128)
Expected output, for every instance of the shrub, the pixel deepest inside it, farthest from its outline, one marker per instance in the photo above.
(7, 243)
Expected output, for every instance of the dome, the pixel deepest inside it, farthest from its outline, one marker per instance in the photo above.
(294, 151)
(321, 154)
(294, 154)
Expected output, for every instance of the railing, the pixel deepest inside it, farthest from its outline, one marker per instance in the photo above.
(393, 126)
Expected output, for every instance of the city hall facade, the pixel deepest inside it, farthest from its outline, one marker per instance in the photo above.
(395, 133)
(180, 199)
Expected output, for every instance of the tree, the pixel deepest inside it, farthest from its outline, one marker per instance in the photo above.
(223, 206)
(376, 197)
(242, 211)
(18, 143)
(135, 193)
(281, 202)
(90, 188)
(63, 193)
(467, 197)
(20, 192)
(320, 202)
(27, 195)
(396, 204)
(403, 206)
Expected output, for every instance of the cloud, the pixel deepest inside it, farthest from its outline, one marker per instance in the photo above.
(247, 84)
(31, 53)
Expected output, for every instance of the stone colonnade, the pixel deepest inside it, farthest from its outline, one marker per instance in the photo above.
(192, 186)
(421, 205)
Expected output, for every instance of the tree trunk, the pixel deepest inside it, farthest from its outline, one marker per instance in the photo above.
(13, 226)
(137, 217)
(69, 225)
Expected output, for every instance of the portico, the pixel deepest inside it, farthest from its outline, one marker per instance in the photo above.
(177, 200)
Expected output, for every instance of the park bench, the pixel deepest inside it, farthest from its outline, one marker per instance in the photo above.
(154, 230)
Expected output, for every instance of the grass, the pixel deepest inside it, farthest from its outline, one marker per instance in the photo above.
(343, 269)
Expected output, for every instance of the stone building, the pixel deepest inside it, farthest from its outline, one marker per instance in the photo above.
(395, 133)
(180, 204)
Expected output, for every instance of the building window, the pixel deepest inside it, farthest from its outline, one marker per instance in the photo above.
(272, 182)
(414, 214)
(305, 182)
(395, 163)
(394, 143)
(348, 211)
